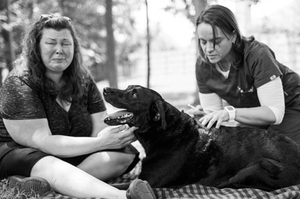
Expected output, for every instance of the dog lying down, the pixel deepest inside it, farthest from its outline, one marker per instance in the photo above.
(179, 152)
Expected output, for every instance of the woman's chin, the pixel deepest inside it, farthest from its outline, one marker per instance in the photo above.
(213, 60)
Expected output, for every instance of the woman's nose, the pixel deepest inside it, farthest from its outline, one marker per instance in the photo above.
(59, 49)
(210, 47)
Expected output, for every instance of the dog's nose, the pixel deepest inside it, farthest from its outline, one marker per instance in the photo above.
(105, 91)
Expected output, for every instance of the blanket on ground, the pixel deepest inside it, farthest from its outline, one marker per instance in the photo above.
(198, 191)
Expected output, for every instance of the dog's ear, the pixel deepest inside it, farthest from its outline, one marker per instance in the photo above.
(160, 115)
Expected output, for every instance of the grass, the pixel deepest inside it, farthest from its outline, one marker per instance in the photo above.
(12, 193)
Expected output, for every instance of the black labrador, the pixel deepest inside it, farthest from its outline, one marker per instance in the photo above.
(180, 152)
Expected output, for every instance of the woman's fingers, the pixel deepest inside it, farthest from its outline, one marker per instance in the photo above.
(216, 117)
(126, 134)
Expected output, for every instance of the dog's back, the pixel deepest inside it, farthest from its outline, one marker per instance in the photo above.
(184, 153)
(253, 158)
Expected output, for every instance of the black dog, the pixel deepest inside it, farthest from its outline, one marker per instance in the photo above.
(180, 152)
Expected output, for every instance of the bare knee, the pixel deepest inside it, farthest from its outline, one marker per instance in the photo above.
(51, 169)
(107, 165)
(43, 167)
(124, 161)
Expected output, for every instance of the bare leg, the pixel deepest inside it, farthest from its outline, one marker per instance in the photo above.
(72, 181)
(106, 165)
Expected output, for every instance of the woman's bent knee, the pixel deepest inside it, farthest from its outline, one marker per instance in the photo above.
(44, 166)
(107, 165)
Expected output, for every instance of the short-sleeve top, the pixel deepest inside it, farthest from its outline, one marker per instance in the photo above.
(258, 67)
(20, 99)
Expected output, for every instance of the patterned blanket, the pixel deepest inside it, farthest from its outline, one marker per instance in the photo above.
(198, 191)
(202, 192)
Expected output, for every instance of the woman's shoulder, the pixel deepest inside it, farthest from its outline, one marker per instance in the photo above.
(18, 73)
(202, 66)
(19, 70)
(89, 81)
(201, 62)
(255, 49)
(89, 85)
(19, 78)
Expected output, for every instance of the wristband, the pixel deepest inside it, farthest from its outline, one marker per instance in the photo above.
(231, 111)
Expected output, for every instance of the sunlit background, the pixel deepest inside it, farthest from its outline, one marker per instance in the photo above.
(173, 50)
(274, 22)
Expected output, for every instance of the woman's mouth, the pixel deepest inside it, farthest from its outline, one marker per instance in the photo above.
(59, 60)
(211, 56)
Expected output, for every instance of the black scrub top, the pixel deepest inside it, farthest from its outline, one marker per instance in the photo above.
(258, 67)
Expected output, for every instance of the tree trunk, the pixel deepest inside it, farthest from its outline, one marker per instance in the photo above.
(7, 34)
(199, 7)
(148, 47)
(111, 70)
(10, 49)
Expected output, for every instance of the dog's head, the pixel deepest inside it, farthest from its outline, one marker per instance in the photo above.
(142, 107)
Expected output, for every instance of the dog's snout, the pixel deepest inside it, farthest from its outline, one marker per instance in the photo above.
(105, 91)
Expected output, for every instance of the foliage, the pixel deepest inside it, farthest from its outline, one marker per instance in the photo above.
(186, 7)
(89, 20)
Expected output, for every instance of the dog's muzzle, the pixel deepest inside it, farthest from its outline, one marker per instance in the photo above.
(119, 117)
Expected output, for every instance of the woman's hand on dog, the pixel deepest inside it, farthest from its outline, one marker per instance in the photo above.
(196, 111)
(207, 120)
(117, 137)
(216, 117)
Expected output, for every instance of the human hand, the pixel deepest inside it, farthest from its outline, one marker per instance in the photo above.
(216, 117)
(197, 112)
(117, 137)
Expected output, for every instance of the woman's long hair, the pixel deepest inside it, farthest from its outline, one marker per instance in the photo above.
(75, 76)
(221, 17)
